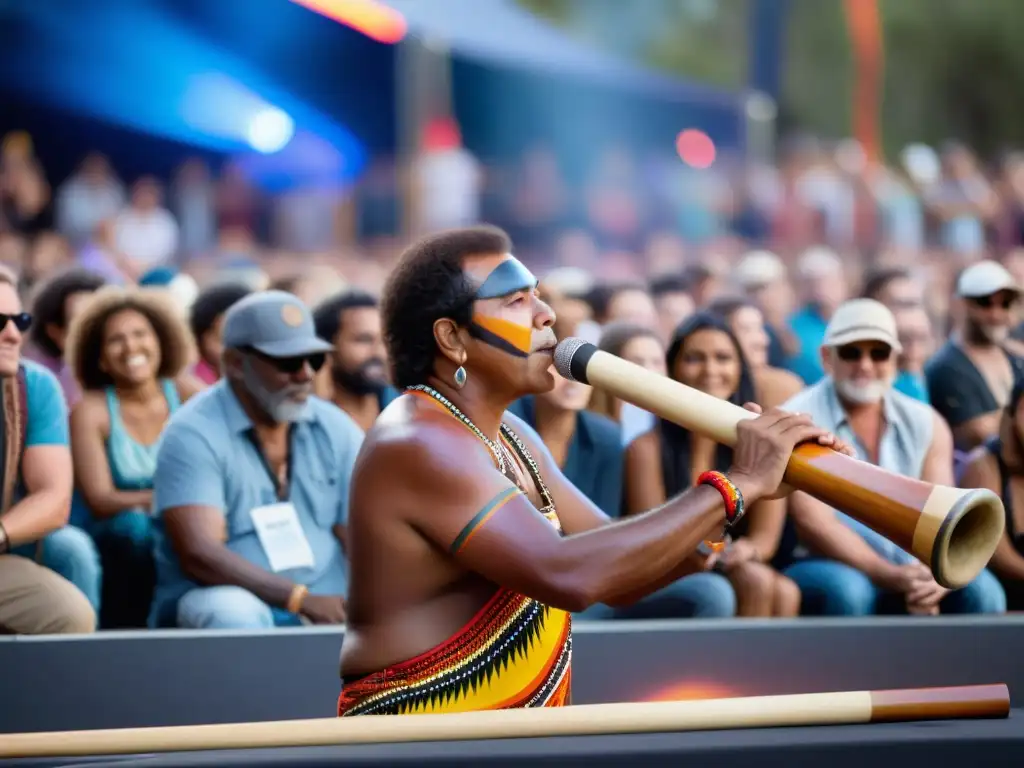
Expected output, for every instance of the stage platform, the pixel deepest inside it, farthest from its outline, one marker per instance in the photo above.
(138, 679)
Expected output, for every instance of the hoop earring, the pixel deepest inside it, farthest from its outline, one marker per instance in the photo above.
(460, 377)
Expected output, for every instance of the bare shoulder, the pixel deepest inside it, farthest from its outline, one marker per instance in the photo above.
(412, 455)
(91, 412)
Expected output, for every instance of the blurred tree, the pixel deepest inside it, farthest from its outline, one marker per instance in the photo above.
(953, 68)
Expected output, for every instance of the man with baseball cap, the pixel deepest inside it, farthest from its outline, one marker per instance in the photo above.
(251, 484)
(854, 570)
(970, 378)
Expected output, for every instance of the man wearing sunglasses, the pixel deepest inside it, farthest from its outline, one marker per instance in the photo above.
(251, 484)
(970, 378)
(855, 571)
(39, 552)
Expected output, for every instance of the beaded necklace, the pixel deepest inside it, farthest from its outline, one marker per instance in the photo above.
(506, 436)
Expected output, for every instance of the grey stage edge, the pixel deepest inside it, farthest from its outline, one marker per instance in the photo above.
(123, 680)
(951, 744)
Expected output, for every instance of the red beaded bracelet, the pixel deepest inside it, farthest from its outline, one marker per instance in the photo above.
(730, 494)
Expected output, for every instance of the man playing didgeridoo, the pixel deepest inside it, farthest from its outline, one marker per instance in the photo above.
(469, 549)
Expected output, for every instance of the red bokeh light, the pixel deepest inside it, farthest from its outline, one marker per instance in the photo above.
(695, 148)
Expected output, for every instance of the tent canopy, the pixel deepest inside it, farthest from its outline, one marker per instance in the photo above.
(501, 32)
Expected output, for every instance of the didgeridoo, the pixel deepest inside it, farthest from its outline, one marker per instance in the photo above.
(843, 708)
(951, 530)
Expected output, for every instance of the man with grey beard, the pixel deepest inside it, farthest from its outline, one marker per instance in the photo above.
(847, 569)
(970, 378)
(251, 485)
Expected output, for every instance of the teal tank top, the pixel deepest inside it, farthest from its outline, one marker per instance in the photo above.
(132, 464)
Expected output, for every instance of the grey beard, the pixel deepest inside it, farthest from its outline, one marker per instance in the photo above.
(279, 406)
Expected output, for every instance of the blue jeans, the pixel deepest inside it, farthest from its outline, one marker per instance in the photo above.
(697, 596)
(229, 608)
(125, 543)
(71, 553)
(830, 588)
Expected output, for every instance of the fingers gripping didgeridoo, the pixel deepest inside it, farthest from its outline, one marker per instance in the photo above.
(953, 531)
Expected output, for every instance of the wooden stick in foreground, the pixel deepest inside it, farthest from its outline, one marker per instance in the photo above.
(842, 708)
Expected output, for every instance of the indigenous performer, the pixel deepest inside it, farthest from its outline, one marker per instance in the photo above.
(469, 549)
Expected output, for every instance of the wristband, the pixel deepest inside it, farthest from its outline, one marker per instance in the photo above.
(296, 598)
(733, 499)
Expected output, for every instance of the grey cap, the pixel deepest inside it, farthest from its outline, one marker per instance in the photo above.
(275, 323)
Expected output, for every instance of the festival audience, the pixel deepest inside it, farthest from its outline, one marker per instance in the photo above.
(129, 349)
(667, 460)
(356, 375)
(772, 386)
(642, 346)
(206, 320)
(999, 466)
(585, 445)
(192, 474)
(853, 570)
(250, 492)
(971, 376)
(55, 305)
(49, 572)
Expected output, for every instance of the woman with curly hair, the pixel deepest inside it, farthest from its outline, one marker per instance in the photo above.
(128, 349)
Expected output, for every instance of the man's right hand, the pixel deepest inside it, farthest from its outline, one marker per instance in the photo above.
(324, 609)
(763, 448)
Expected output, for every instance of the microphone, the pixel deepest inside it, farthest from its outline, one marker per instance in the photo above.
(953, 531)
(579, 360)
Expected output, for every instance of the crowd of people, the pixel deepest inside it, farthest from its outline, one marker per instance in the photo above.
(157, 474)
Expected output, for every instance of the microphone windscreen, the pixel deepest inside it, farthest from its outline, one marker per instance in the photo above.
(571, 358)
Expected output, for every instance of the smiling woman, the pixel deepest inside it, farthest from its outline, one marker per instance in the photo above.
(128, 349)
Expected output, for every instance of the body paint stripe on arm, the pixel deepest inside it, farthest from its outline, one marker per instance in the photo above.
(482, 517)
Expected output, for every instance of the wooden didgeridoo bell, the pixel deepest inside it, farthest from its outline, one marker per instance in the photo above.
(951, 530)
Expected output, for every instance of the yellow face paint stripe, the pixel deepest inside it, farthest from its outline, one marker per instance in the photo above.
(519, 336)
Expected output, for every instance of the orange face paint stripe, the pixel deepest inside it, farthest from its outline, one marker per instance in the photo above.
(519, 336)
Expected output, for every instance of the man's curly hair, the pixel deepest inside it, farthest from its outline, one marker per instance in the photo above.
(84, 347)
(429, 284)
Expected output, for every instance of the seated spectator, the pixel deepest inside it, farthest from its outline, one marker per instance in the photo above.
(638, 344)
(772, 386)
(854, 571)
(49, 571)
(356, 377)
(128, 349)
(999, 466)
(207, 320)
(251, 484)
(822, 287)
(56, 302)
(894, 287)
(914, 328)
(970, 377)
(672, 298)
(626, 301)
(586, 446)
(665, 461)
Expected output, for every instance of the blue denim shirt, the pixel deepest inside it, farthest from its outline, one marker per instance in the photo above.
(209, 459)
(903, 447)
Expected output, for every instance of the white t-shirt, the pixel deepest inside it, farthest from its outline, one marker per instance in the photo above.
(149, 238)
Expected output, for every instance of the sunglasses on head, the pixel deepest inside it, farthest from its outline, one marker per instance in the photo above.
(853, 354)
(987, 302)
(21, 321)
(291, 365)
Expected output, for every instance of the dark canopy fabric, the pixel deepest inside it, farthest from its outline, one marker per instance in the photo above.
(500, 32)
